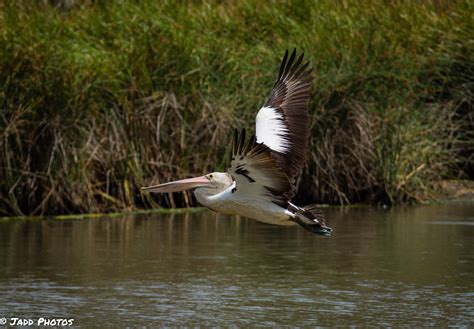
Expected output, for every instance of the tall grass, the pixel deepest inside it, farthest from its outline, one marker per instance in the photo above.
(97, 100)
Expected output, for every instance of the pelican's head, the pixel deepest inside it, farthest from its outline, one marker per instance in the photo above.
(211, 184)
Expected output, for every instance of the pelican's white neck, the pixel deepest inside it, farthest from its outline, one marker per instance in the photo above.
(220, 182)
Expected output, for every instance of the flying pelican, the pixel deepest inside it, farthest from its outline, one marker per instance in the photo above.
(260, 182)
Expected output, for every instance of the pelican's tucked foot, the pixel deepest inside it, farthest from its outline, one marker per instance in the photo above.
(316, 228)
(311, 219)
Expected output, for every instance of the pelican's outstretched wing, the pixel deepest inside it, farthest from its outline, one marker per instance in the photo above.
(282, 123)
(256, 173)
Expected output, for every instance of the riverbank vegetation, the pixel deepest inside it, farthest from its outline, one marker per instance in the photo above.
(97, 100)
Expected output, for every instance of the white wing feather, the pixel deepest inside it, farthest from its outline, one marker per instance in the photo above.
(271, 130)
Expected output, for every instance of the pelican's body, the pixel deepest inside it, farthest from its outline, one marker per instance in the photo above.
(265, 212)
(229, 203)
(260, 182)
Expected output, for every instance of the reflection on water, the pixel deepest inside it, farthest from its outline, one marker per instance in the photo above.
(410, 267)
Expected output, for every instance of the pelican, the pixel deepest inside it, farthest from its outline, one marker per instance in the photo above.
(260, 182)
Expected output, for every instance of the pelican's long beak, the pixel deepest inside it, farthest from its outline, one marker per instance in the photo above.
(179, 185)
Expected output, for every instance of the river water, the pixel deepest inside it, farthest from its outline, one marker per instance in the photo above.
(408, 267)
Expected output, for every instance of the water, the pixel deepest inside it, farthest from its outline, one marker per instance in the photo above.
(397, 267)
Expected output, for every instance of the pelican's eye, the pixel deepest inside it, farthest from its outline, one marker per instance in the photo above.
(209, 176)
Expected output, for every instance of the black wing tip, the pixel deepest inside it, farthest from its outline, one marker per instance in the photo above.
(235, 143)
(282, 65)
(242, 145)
(291, 69)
